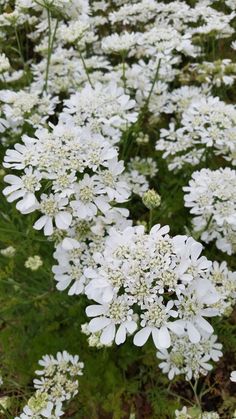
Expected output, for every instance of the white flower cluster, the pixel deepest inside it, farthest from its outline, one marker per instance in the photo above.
(225, 283)
(211, 197)
(146, 167)
(8, 252)
(74, 253)
(218, 73)
(190, 359)
(78, 169)
(58, 383)
(104, 109)
(39, 408)
(7, 74)
(93, 338)
(89, 101)
(33, 263)
(23, 106)
(153, 283)
(233, 376)
(185, 413)
(207, 128)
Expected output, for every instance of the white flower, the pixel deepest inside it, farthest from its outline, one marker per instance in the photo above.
(74, 32)
(58, 378)
(23, 187)
(140, 270)
(155, 322)
(111, 182)
(79, 168)
(8, 252)
(104, 108)
(211, 197)
(190, 359)
(17, 105)
(233, 376)
(136, 182)
(146, 167)
(22, 155)
(4, 63)
(117, 313)
(88, 198)
(225, 283)
(182, 414)
(53, 208)
(51, 411)
(118, 44)
(70, 267)
(205, 123)
(193, 305)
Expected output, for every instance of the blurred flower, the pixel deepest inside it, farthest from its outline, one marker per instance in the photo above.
(233, 376)
(5, 402)
(33, 262)
(8, 252)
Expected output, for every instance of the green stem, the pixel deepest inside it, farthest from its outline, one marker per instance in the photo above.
(194, 388)
(19, 47)
(5, 411)
(150, 219)
(208, 223)
(213, 48)
(86, 70)
(123, 71)
(49, 47)
(51, 39)
(14, 232)
(4, 80)
(145, 107)
(137, 125)
(178, 396)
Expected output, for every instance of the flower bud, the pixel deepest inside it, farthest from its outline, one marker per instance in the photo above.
(151, 199)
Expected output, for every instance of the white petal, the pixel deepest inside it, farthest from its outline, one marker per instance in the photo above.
(9, 189)
(163, 337)
(12, 179)
(193, 333)
(196, 249)
(120, 335)
(68, 243)
(77, 288)
(142, 336)
(48, 228)
(94, 310)
(204, 324)
(15, 195)
(27, 202)
(202, 287)
(62, 285)
(63, 220)
(98, 324)
(108, 334)
(102, 204)
(40, 223)
(177, 327)
(107, 294)
(211, 298)
(131, 326)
